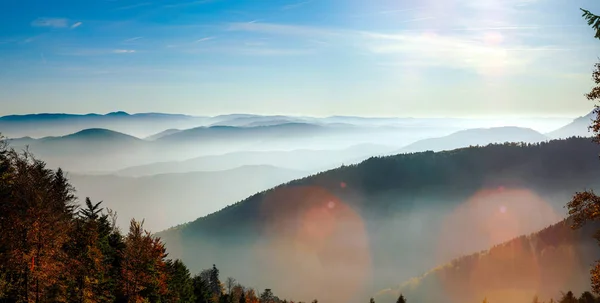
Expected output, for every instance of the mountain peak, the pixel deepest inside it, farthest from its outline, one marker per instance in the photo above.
(118, 113)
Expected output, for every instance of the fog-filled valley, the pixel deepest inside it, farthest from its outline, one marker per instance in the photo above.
(345, 208)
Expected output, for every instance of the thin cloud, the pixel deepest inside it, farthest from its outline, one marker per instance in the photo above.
(123, 51)
(76, 25)
(204, 39)
(133, 6)
(50, 22)
(132, 39)
(282, 29)
(295, 5)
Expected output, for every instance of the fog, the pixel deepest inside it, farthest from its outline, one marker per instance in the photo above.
(338, 235)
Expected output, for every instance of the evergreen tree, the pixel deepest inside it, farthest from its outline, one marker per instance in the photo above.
(372, 300)
(593, 21)
(201, 290)
(401, 299)
(267, 296)
(214, 284)
(587, 297)
(569, 297)
(181, 287)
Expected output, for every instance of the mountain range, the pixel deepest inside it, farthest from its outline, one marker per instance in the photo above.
(160, 199)
(478, 136)
(389, 218)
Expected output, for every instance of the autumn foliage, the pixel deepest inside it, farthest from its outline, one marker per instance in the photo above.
(53, 250)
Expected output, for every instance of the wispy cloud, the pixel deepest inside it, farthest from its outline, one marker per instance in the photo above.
(124, 51)
(93, 52)
(50, 22)
(204, 39)
(295, 5)
(132, 39)
(486, 55)
(133, 6)
(76, 24)
(282, 29)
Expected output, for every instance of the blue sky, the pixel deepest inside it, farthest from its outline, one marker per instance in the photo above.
(312, 57)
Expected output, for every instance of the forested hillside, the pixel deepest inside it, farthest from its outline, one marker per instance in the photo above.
(52, 250)
(542, 264)
(390, 218)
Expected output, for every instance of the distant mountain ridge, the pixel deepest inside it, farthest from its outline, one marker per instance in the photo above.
(58, 124)
(308, 160)
(478, 136)
(171, 198)
(579, 127)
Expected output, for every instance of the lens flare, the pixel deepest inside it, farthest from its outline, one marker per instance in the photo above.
(317, 243)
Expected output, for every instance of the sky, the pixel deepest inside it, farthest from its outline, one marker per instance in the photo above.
(420, 58)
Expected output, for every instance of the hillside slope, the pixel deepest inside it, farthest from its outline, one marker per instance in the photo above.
(545, 263)
(408, 212)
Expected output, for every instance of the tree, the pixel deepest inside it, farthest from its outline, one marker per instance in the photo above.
(372, 300)
(89, 270)
(585, 206)
(181, 287)
(214, 284)
(230, 284)
(569, 297)
(267, 296)
(37, 210)
(143, 270)
(242, 297)
(593, 21)
(587, 297)
(201, 290)
(401, 299)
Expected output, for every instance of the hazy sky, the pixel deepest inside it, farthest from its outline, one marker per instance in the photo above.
(312, 57)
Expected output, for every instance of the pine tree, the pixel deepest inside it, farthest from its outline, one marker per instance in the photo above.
(201, 290)
(181, 287)
(267, 296)
(401, 299)
(569, 297)
(593, 21)
(214, 284)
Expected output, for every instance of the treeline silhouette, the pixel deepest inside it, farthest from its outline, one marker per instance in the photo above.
(52, 250)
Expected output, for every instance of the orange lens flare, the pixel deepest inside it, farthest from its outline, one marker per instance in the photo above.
(318, 244)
